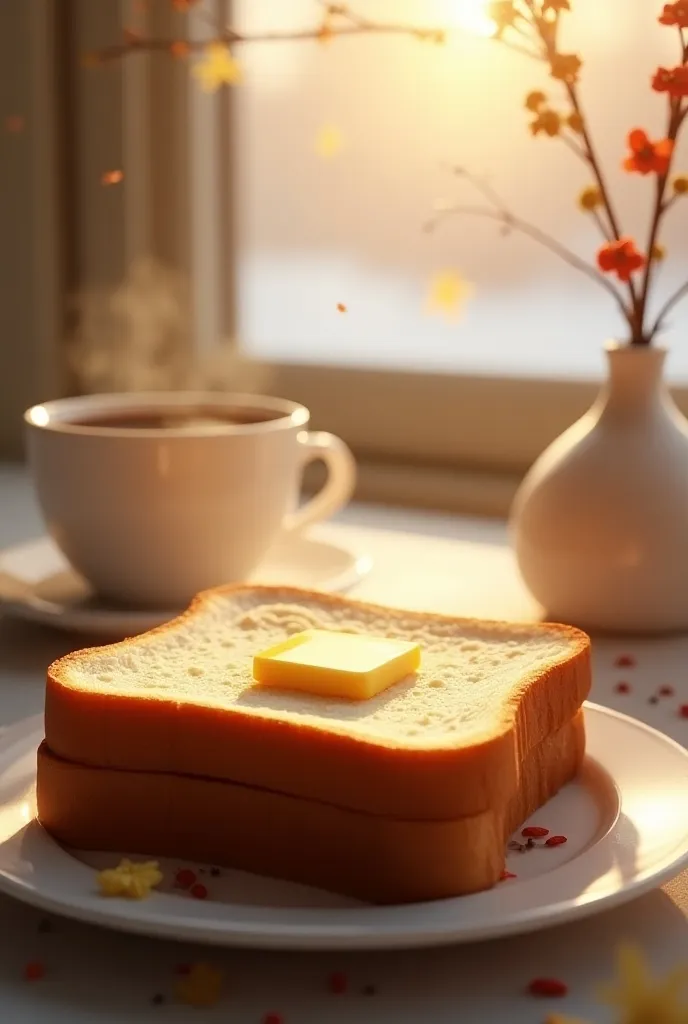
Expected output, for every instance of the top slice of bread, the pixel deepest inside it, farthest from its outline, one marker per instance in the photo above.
(442, 744)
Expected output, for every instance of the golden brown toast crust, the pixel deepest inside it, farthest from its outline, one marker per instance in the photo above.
(382, 860)
(150, 734)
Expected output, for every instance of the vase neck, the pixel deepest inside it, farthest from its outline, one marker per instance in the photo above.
(635, 376)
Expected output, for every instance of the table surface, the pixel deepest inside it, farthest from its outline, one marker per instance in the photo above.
(421, 560)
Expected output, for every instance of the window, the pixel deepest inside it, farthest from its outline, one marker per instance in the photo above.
(229, 191)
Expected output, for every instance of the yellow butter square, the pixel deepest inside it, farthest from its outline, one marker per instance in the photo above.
(332, 664)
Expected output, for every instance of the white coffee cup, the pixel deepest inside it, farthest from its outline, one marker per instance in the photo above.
(153, 497)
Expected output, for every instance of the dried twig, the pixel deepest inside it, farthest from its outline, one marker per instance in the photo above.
(510, 221)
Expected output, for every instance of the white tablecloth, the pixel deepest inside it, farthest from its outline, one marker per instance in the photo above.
(443, 563)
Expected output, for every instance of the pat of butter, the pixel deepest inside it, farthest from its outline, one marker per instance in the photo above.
(336, 664)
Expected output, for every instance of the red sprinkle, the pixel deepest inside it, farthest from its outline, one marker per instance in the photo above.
(505, 875)
(556, 841)
(622, 688)
(338, 983)
(34, 971)
(683, 711)
(666, 691)
(625, 661)
(273, 1018)
(548, 987)
(199, 891)
(185, 878)
(534, 832)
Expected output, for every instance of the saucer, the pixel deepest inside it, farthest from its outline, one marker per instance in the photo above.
(37, 583)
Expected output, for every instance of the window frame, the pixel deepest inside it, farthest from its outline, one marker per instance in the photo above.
(458, 441)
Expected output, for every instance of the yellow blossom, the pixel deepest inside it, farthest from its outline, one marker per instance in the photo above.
(547, 121)
(503, 13)
(565, 67)
(590, 198)
(639, 998)
(217, 67)
(328, 141)
(680, 184)
(201, 987)
(447, 293)
(658, 252)
(534, 100)
(130, 879)
(575, 122)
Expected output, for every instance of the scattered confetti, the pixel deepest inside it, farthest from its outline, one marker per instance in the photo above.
(338, 983)
(653, 700)
(111, 177)
(625, 661)
(202, 986)
(622, 688)
(638, 996)
(341, 307)
(215, 872)
(179, 49)
(548, 987)
(34, 971)
(184, 878)
(556, 841)
(666, 691)
(130, 879)
(329, 141)
(217, 68)
(273, 1018)
(534, 831)
(199, 891)
(14, 124)
(683, 711)
(506, 875)
(448, 292)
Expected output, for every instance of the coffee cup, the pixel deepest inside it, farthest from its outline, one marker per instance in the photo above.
(154, 497)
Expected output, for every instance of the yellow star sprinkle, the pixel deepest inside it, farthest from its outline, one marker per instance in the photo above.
(638, 997)
(217, 68)
(328, 141)
(202, 986)
(448, 292)
(130, 879)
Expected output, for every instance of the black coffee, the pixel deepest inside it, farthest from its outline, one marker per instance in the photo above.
(175, 419)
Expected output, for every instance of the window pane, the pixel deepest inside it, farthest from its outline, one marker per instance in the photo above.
(315, 232)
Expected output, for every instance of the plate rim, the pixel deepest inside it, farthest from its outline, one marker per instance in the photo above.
(209, 927)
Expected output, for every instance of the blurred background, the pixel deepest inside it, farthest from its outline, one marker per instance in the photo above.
(155, 236)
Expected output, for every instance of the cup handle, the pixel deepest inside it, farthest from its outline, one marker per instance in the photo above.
(340, 483)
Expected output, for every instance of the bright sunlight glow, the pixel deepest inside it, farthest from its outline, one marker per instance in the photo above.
(472, 16)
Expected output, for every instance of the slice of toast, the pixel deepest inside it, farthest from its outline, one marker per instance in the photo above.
(446, 743)
(373, 858)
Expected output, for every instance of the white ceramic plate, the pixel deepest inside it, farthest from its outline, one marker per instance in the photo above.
(37, 583)
(624, 818)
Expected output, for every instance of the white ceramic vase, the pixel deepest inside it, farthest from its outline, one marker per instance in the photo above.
(600, 523)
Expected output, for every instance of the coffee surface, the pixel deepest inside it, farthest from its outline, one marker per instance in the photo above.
(174, 419)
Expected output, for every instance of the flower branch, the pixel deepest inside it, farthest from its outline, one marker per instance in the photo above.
(510, 222)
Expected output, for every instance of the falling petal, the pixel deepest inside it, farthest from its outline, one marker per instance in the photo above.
(448, 293)
(328, 141)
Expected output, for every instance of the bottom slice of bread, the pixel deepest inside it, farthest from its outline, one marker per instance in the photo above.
(372, 858)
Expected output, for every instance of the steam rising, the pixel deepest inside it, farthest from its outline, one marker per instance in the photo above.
(138, 337)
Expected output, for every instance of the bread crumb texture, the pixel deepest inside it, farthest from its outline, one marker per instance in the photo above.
(206, 657)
